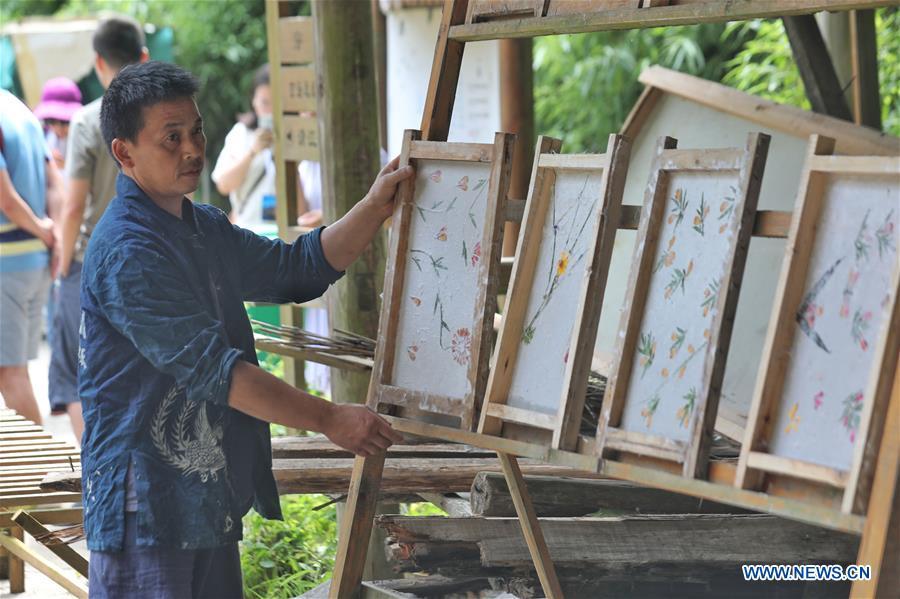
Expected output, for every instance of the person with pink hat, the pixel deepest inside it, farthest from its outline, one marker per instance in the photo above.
(60, 100)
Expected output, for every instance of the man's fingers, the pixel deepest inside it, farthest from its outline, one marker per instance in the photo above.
(390, 166)
(399, 175)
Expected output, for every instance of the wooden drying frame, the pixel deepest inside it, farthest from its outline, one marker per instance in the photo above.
(748, 163)
(547, 161)
(381, 390)
(755, 463)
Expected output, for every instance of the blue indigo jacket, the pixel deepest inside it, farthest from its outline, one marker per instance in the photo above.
(162, 326)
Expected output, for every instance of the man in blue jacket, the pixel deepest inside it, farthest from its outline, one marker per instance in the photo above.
(176, 446)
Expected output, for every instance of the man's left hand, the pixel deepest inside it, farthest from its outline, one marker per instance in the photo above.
(381, 194)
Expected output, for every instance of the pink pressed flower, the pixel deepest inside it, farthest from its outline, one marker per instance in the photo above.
(476, 253)
(463, 184)
(852, 436)
(436, 176)
(461, 346)
(863, 344)
(817, 399)
(566, 357)
(845, 310)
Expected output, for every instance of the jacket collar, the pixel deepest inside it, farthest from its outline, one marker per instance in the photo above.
(128, 189)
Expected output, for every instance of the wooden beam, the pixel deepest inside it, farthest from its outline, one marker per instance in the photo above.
(567, 497)
(816, 69)
(621, 543)
(864, 63)
(711, 11)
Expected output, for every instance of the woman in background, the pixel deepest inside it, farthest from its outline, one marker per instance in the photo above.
(60, 100)
(245, 170)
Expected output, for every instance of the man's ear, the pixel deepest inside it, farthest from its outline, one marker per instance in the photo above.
(145, 54)
(122, 152)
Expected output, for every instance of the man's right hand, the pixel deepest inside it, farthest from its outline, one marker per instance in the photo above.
(359, 429)
(45, 232)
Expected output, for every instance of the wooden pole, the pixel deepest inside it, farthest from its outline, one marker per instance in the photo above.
(379, 29)
(348, 123)
(350, 160)
(864, 62)
(816, 68)
(517, 116)
(285, 174)
(531, 528)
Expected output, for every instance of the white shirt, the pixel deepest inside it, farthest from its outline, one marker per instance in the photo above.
(247, 199)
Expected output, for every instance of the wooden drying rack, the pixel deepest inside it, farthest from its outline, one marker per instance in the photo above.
(460, 24)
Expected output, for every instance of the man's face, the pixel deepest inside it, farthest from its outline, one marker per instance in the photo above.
(168, 156)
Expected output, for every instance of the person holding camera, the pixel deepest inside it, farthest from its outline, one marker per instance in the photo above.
(245, 169)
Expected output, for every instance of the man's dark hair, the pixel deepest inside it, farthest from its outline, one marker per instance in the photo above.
(119, 41)
(139, 86)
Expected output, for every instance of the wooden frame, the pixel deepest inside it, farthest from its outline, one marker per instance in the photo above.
(748, 164)
(755, 462)
(601, 235)
(453, 33)
(382, 390)
(679, 12)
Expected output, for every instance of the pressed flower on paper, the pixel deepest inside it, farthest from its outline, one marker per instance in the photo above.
(411, 351)
(853, 405)
(847, 294)
(793, 419)
(461, 346)
(710, 297)
(677, 341)
(679, 207)
(436, 176)
(650, 409)
(667, 257)
(885, 235)
(726, 209)
(647, 351)
(679, 275)
(687, 408)
(859, 327)
(818, 400)
(463, 184)
(862, 242)
(700, 216)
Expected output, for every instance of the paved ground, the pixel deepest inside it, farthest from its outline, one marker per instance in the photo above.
(38, 586)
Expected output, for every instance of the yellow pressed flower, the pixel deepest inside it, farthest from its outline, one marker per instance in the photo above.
(665, 373)
(562, 264)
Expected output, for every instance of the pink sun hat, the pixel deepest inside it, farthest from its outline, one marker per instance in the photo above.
(60, 100)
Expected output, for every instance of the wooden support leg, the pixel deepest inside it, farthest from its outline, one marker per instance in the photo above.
(356, 528)
(531, 528)
(880, 546)
(16, 547)
(63, 551)
(16, 565)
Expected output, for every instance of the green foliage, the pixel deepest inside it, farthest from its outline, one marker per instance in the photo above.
(585, 85)
(421, 509)
(287, 558)
(766, 67)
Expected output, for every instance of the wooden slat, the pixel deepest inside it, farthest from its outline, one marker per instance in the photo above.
(39, 498)
(805, 470)
(573, 161)
(856, 165)
(18, 548)
(522, 416)
(435, 150)
(51, 516)
(63, 551)
(648, 445)
(712, 11)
